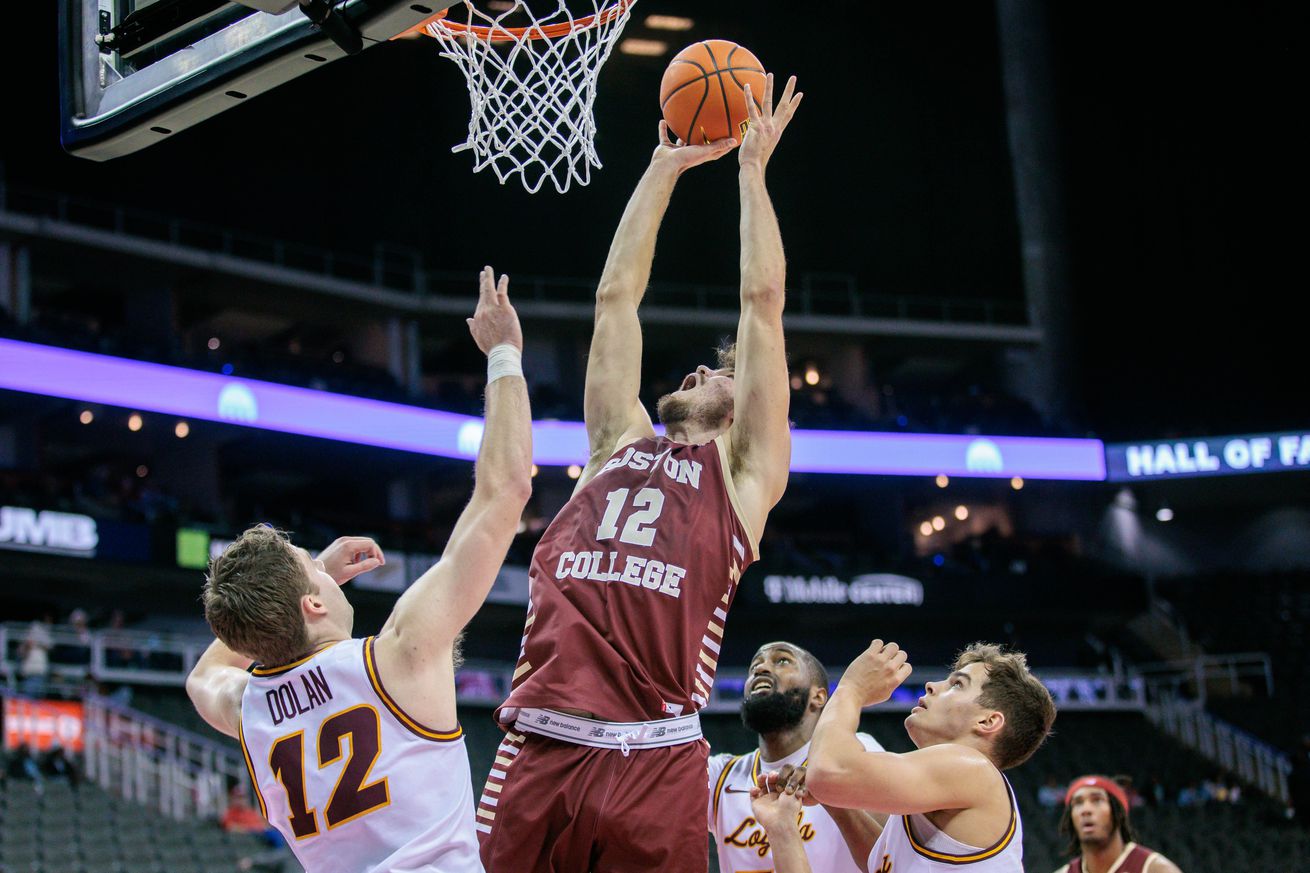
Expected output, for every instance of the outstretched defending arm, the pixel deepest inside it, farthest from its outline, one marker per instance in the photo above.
(215, 685)
(430, 615)
(760, 440)
(843, 773)
(613, 412)
(777, 807)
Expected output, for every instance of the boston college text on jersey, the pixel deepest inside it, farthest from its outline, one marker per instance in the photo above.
(639, 528)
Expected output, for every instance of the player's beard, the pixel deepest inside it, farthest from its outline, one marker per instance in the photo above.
(677, 409)
(779, 711)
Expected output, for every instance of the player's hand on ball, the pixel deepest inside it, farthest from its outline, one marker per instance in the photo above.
(877, 672)
(348, 557)
(766, 123)
(494, 321)
(680, 156)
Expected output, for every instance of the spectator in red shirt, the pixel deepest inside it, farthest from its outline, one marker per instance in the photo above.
(240, 816)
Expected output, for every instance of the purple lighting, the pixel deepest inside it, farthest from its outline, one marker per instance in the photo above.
(93, 378)
(887, 454)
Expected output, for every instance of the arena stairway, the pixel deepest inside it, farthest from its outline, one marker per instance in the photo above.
(1261, 613)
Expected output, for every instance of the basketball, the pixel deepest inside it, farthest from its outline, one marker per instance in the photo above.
(702, 93)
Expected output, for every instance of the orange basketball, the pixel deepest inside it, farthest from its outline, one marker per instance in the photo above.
(701, 92)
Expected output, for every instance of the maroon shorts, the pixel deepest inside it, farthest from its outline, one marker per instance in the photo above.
(556, 807)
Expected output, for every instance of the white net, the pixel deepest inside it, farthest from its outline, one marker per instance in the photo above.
(532, 83)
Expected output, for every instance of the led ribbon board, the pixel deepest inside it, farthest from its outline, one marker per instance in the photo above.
(1209, 456)
(92, 378)
(918, 454)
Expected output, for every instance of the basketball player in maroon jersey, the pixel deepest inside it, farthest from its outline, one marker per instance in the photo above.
(1096, 823)
(603, 765)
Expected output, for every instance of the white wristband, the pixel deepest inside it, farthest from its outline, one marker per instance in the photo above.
(503, 360)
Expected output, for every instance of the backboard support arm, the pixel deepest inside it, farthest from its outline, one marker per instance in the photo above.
(112, 107)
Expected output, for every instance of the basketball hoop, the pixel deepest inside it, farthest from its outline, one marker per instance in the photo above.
(532, 87)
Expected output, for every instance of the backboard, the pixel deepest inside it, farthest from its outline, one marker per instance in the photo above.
(134, 72)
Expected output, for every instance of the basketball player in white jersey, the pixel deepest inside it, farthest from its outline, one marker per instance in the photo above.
(949, 805)
(786, 689)
(353, 744)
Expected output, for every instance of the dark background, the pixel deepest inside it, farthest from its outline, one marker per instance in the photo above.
(1175, 172)
(1178, 161)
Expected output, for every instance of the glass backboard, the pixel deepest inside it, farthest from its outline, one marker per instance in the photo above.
(134, 72)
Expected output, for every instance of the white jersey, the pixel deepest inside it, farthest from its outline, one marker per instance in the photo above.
(912, 844)
(740, 840)
(353, 783)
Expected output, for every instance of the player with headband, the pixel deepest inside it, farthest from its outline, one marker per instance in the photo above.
(1100, 836)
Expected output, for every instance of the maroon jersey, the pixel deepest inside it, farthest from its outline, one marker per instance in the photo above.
(1134, 859)
(631, 584)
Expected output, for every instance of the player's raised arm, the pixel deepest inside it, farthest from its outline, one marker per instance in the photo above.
(841, 772)
(431, 613)
(215, 685)
(611, 406)
(777, 808)
(759, 440)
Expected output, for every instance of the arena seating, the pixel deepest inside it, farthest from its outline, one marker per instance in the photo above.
(87, 830)
(173, 707)
(1254, 835)
(1248, 613)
